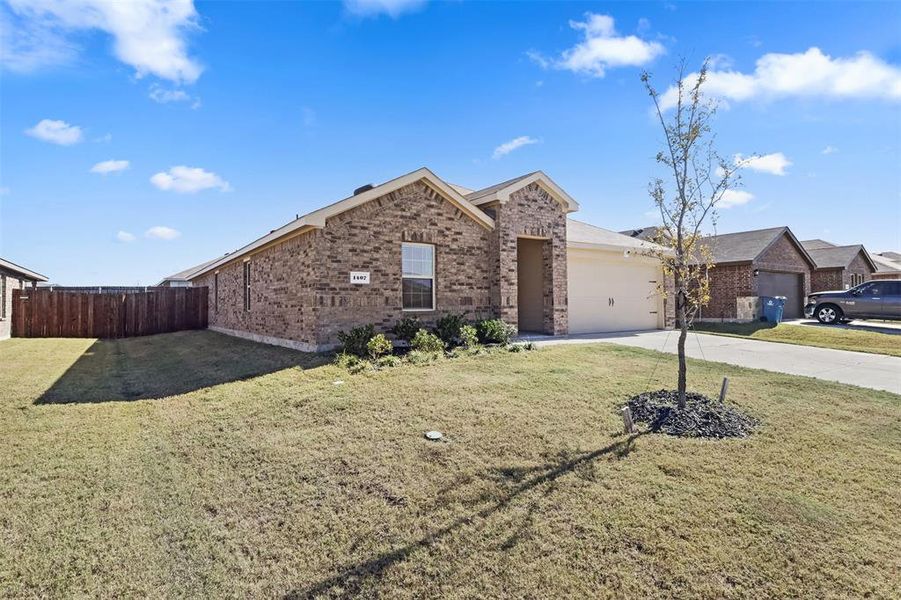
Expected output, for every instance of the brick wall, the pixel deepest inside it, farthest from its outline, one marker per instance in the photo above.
(827, 279)
(530, 212)
(12, 283)
(784, 256)
(369, 238)
(301, 290)
(728, 282)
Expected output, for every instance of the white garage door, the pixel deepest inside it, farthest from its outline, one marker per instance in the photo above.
(608, 292)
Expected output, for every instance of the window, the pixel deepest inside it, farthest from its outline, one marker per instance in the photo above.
(872, 290)
(418, 264)
(2, 296)
(247, 285)
(216, 291)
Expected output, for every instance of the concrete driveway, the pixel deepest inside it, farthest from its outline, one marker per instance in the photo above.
(873, 371)
(887, 327)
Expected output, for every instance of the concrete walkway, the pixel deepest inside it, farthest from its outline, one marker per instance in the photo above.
(873, 371)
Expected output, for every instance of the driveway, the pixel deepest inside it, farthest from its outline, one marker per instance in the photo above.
(873, 371)
(889, 327)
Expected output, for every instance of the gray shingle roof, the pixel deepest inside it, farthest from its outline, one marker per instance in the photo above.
(834, 257)
(474, 196)
(186, 274)
(742, 246)
(884, 265)
(583, 233)
(816, 244)
(645, 233)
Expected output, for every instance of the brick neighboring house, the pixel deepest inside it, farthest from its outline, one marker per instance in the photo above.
(13, 277)
(418, 246)
(838, 267)
(887, 266)
(750, 264)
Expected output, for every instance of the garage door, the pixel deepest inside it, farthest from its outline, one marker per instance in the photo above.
(608, 292)
(770, 283)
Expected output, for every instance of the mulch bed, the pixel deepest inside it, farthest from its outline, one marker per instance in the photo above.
(701, 417)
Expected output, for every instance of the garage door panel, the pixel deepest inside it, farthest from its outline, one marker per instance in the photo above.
(606, 294)
(772, 283)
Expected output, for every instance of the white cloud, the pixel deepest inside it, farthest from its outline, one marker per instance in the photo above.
(601, 49)
(374, 8)
(162, 95)
(110, 166)
(774, 164)
(104, 139)
(161, 232)
(806, 74)
(56, 132)
(829, 150)
(149, 35)
(125, 237)
(508, 147)
(734, 198)
(188, 180)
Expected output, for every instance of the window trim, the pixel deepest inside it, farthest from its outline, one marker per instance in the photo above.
(433, 278)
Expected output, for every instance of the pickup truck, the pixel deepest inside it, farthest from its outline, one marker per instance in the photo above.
(878, 299)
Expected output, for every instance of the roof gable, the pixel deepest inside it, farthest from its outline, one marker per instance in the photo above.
(748, 246)
(501, 191)
(839, 256)
(317, 218)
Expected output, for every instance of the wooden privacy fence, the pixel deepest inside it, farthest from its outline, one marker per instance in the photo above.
(46, 313)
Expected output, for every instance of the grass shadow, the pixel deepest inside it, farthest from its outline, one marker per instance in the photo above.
(351, 579)
(169, 364)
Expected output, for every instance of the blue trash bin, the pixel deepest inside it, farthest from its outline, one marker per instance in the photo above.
(772, 308)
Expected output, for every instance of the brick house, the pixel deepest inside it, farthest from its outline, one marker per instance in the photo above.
(417, 245)
(838, 267)
(13, 277)
(887, 266)
(750, 264)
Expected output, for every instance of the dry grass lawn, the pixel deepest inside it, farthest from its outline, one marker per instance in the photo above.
(822, 336)
(196, 465)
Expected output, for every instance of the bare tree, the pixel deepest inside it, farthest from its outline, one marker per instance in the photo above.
(697, 179)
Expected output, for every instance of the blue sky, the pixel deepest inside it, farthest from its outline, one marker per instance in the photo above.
(233, 117)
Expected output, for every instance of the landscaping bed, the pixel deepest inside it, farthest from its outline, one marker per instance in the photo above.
(701, 416)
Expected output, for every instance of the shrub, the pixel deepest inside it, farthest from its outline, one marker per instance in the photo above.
(469, 336)
(378, 346)
(448, 328)
(495, 331)
(351, 362)
(355, 341)
(427, 342)
(419, 357)
(406, 328)
(388, 361)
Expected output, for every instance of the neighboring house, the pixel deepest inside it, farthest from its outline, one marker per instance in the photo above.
(418, 246)
(648, 234)
(183, 278)
(750, 264)
(13, 277)
(838, 267)
(886, 266)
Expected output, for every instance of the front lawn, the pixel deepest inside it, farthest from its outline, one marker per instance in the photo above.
(822, 336)
(197, 465)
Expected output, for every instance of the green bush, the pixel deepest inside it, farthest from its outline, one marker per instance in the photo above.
(469, 336)
(420, 357)
(351, 362)
(355, 341)
(406, 328)
(427, 342)
(448, 328)
(378, 346)
(388, 361)
(495, 331)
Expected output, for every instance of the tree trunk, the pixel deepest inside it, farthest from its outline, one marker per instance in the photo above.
(683, 334)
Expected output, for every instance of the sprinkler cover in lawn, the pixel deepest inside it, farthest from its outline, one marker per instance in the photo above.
(433, 435)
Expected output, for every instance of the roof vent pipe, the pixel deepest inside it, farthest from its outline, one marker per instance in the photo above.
(363, 188)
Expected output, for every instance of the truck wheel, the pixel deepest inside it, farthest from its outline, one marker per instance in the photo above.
(829, 314)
